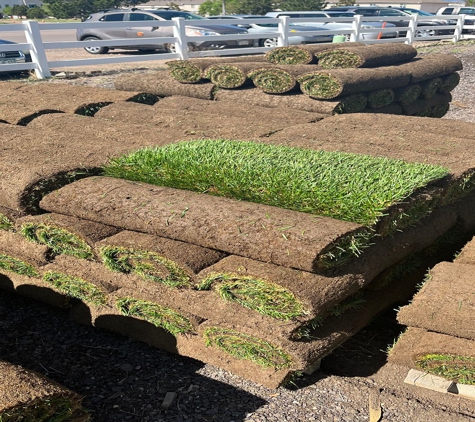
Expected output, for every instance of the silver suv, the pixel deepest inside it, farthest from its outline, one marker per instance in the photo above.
(156, 31)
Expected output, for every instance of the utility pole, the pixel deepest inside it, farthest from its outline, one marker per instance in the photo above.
(224, 6)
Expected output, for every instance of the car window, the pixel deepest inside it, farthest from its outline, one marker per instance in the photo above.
(341, 14)
(168, 15)
(141, 17)
(448, 11)
(467, 10)
(391, 12)
(366, 12)
(113, 17)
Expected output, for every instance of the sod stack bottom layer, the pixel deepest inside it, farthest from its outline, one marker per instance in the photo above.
(28, 396)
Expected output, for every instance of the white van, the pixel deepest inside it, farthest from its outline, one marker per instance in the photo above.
(344, 26)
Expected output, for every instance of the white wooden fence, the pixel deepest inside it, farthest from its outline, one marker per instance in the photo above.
(41, 65)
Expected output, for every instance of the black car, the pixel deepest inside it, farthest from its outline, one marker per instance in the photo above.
(375, 11)
(12, 56)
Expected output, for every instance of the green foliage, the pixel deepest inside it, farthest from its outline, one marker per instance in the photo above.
(250, 7)
(16, 266)
(459, 369)
(76, 287)
(158, 315)
(346, 3)
(244, 346)
(211, 8)
(296, 5)
(260, 295)
(344, 186)
(36, 13)
(19, 10)
(5, 223)
(147, 265)
(8, 11)
(60, 241)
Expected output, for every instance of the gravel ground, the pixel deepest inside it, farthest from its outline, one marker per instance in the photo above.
(125, 380)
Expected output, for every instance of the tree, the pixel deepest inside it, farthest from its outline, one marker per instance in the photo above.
(19, 10)
(250, 7)
(293, 5)
(211, 8)
(346, 3)
(7, 11)
(35, 13)
(173, 6)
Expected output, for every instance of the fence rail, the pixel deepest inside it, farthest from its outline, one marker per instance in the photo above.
(37, 47)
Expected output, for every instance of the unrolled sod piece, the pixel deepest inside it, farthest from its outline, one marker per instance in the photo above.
(163, 85)
(334, 83)
(231, 75)
(422, 105)
(445, 356)
(243, 228)
(156, 258)
(26, 395)
(444, 303)
(278, 79)
(191, 70)
(8, 218)
(380, 98)
(345, 104)
(279, 115)
(302, 54)
(407, 94)
(366, 56)
(431, 66)
(64, 234)
(21, 105)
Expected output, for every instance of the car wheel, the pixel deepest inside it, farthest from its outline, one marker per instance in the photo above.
(171, 48)
(269, 42)
(95, 50)
(425, 33)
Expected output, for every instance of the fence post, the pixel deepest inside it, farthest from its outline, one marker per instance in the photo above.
(459, 28)
(411, 30)
(179, 31)
(355, 35)
(283, 30)
(37, 51)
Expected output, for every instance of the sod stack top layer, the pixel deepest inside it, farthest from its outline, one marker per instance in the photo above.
(28, 396)
(21, 104)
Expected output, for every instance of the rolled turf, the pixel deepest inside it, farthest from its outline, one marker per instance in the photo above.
(366, 56)
(380, 98)
(231, 75)
(449, 82)
(28, 396)
(430, 87)
(334, 83)
(407, 94)
(425, 105)
(302, 54)
(431, 66)
(345, 104)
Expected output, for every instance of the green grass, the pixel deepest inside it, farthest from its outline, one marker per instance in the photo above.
(76, 287)
(5, 223)
(60, 241)
(320, 85)
(449, 82)
(184, 71)
(430, 87)
(408, 94)
(353, 103)
(334, 59)
(459, 369)
(247, 347)
(146, 264)
(259, 295)
(272, 80)
(17, 266)
(49, 409)
(349, 187)
(380, 98)
(158, 315)
(288, 55)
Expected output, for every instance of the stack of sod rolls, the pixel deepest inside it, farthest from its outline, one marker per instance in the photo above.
(440, 338)
(259, 257)
(329, 79)
(28, 396)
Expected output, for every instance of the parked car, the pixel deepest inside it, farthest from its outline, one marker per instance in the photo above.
(156, 31)
(458, 10)
(12, 56)
(442, 21)
(295, 37)
(344, 26)
(393, 12)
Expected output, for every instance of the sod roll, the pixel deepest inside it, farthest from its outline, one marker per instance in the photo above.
(26, 395)
(163, 85)
(260, 238)
(278, 79)
(449, 82)
(431, 66)
(380, 98)
(334, 83)
(442, 355)
(302, 54)
(231, 75)
(425, 105)
(229, 109)
(292, 101)
(407, 94)
(366, 56)
(430, 87)
(393, 108)
(22, 104)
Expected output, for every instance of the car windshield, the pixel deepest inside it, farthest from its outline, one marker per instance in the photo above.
(417, 12)
(171, 14)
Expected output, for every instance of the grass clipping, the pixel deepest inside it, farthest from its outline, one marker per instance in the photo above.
(349, 187)
(244, 346)
(148, 265)
(259, 295)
